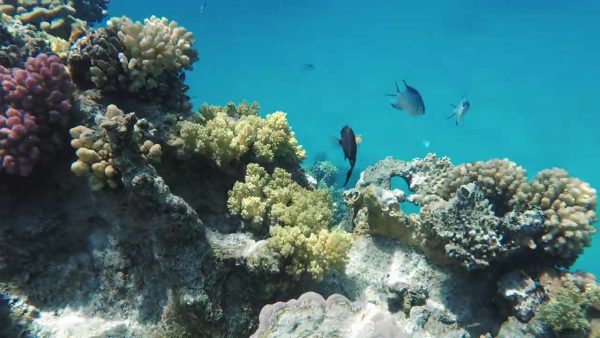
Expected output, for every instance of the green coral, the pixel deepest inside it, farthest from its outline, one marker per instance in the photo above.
(566, 311)
(297, 220)
(226, 134)
(324, 172)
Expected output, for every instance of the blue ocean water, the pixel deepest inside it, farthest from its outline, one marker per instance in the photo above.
(529, 67)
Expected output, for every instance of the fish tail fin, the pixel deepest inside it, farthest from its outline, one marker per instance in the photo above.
(451, 115)
(348, 174)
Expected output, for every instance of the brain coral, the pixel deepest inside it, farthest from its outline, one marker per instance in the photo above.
(153, 48)
(313, 316)
(36, 104)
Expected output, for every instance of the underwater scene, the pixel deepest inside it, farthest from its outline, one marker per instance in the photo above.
(287, 168)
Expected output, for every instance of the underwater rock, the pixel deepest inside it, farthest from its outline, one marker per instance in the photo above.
(522, 292)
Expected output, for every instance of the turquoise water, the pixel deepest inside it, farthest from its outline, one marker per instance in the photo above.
(530, 69)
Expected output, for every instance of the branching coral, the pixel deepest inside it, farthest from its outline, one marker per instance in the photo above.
(61, 18)
(226, 134)
(36, 104)
(94, 153)
(297, 220)
(93, 59)
(478, 214)
(147, 60)
(569, 211)
(156, 47)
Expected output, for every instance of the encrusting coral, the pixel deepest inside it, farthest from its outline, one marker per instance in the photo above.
(296, 218)
(66, 19)
(36, 104)
(228, 134)
(480, 213)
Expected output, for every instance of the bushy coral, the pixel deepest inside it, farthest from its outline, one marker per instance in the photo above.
(147, 60)
(569, 211)
(498, 180)
(36, 102)
(153, 48)
(297, 219)
(566, 310)
(93, 60)
(227, 134)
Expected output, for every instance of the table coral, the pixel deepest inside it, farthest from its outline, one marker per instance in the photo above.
(226, 134)
(296, 218)
(36, 110)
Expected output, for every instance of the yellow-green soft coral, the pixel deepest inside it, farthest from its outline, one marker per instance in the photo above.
(297, 219)
(567, 309)
(226, 134)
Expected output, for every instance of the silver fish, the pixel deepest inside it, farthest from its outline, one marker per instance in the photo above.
(410, 100)
(459, 111)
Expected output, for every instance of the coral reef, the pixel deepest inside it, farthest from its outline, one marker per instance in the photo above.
(478, 214)
(179, 212)
(228, 134)
(36, 109)
(311, 315)
(297, 220)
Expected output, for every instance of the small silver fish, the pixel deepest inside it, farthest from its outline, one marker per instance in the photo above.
(459, 111)
(410, 100)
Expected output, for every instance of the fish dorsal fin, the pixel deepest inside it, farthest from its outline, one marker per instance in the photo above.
(398, 88)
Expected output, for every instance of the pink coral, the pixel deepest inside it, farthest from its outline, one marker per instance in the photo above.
(35, 103)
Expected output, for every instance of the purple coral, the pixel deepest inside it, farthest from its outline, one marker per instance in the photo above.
(34, 112)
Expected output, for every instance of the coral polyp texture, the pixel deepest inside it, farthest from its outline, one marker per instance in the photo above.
(145, 59)
(229, 134)
(152, 48)
(296, 218)
(36, 105)
(95, 158)
(313, 316)
(478, 214)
